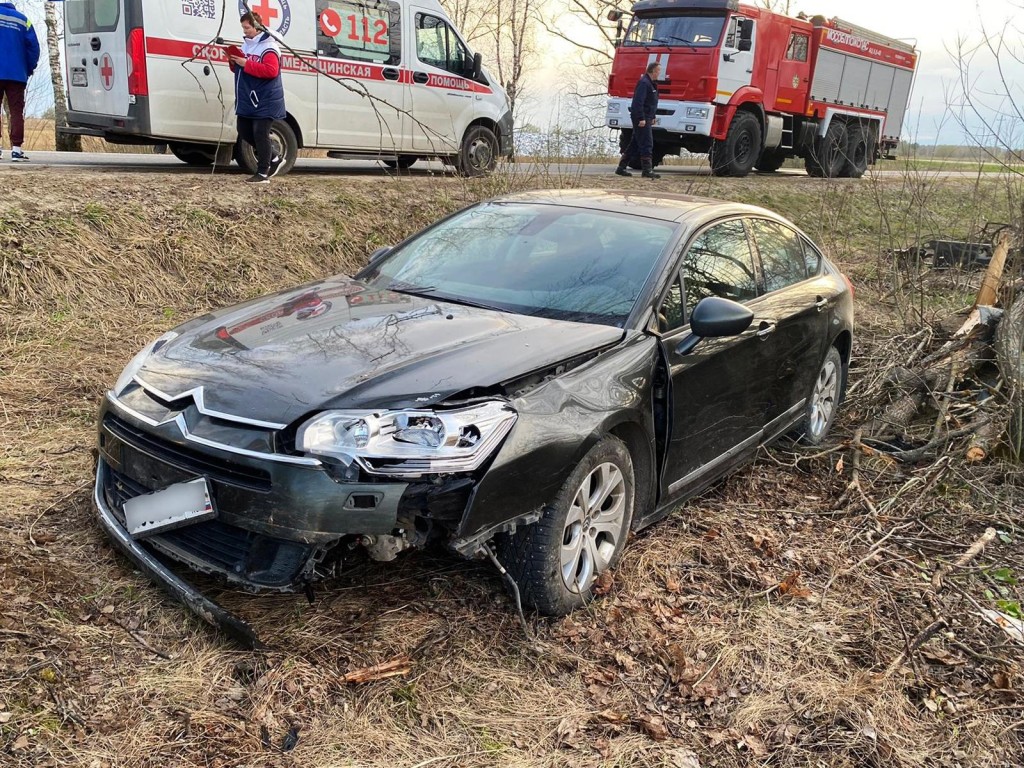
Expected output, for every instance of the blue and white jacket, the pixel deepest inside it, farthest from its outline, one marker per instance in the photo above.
(19, 46)
(259, 91)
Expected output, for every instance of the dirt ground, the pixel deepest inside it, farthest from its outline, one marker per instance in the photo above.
(767, 622)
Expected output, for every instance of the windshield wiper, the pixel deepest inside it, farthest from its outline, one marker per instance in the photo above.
(431, 292)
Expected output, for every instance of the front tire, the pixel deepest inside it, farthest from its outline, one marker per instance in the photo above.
(823, 403)
(557, 560)
(736, 154)
(478, 154)
(283, 143)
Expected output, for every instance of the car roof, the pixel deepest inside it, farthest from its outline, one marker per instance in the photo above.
(665, 206)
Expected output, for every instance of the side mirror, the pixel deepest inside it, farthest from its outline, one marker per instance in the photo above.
(713, 318)
(478, 65)
(379, 254)
(614, 15)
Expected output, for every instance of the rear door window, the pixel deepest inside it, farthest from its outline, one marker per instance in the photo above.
(782, 254)
(87, 16)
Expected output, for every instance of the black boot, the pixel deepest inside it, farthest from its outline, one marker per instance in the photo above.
(648, 172)
(621, 170)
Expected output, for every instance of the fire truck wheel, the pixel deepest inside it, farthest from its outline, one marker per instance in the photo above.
(196, 155)
(736, 154)
(828, 154)
(856, 152)
(770, 160)
(479, 152)
(284, 143)
(404, 162)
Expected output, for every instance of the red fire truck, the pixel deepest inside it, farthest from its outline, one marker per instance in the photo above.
(751, 88)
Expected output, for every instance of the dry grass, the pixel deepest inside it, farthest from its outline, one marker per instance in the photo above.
(755, 626)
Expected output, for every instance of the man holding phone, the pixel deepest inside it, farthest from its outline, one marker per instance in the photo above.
(259, 92)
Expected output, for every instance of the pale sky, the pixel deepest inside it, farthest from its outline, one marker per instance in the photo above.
(933, 26)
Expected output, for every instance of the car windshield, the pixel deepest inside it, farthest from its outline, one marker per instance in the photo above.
(542, 260)
(693, 31)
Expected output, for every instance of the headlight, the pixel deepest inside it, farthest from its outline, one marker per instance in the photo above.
(136, 363)
(409, 443)
(614, 106)
(701, 112)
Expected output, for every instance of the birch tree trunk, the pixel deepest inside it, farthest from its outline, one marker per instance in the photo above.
(63, 141)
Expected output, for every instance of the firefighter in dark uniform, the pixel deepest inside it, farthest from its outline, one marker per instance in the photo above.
(643, 112)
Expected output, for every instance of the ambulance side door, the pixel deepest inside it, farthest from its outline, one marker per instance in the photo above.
(443, 96)
(362, 95)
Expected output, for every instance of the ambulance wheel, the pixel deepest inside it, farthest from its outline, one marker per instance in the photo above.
(828, 154)
(404, 162)
(857, 146)
(736, 154)
(196, 155)
(479, 152)
(284, 143)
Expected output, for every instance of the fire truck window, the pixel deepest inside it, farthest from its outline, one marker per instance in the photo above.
(694, 31)
(719, 263)
(797, 50)
(782, 254)
(349, 29)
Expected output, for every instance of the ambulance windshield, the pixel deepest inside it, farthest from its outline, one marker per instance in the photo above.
(690, 31)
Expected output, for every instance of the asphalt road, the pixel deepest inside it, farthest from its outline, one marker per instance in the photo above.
(148, 163)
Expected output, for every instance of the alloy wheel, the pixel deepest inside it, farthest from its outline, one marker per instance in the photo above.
(823, 398)
(593, 527)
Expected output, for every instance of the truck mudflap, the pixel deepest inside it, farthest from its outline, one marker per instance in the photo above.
(202, 606)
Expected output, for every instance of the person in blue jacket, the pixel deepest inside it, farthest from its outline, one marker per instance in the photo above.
(643, 113)
(19, 56)
(259, 93)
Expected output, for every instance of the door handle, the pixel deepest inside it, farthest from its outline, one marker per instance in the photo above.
(390, 73)
(95, 43)
(420, 77)
(821, 303)
(765, 329)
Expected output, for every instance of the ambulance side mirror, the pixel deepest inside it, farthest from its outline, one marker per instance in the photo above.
(478, 65)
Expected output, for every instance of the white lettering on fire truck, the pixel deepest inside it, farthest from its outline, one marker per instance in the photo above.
(845, 38)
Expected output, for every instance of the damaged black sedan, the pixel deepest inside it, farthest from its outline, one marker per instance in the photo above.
(529, 379)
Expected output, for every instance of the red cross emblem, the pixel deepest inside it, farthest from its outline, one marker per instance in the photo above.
(107, 72)
(266, 11)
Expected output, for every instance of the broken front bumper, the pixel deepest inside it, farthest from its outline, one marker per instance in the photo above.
(202, 606)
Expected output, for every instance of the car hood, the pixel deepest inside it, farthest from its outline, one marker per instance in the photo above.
(339, 344)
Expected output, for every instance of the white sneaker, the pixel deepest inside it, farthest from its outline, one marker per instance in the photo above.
(17, 156)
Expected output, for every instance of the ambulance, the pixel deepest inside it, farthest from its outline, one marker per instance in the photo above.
(390, 80)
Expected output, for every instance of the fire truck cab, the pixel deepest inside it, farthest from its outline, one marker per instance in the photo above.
(752, 88)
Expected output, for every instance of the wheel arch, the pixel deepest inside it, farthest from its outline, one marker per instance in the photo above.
(294, 125)
(639, 445)
(843, 343)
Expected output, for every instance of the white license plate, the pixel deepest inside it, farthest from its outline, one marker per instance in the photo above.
(174, 506)
(79, 78)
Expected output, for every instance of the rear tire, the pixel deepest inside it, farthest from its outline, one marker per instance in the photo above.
(736, 154)
(478, 154)
(828, 154)
(857, 147)
(195, 155)
(823, 402)
(557, 560)
(284, 143)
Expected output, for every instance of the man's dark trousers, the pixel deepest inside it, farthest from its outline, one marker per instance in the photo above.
(15, 93)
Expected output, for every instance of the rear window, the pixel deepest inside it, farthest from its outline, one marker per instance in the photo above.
(87, 16)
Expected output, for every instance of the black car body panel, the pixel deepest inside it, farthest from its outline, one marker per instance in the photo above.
(225, 398)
